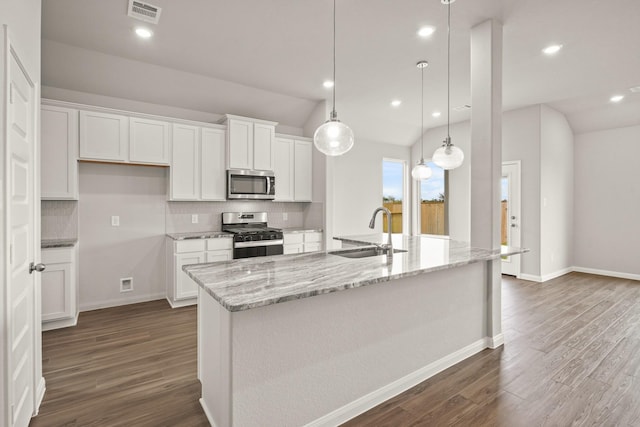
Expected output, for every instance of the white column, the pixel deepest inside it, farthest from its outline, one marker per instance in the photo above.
(486, 158)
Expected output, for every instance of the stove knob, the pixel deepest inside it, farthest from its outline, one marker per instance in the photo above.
(273, 237)
(247, 238)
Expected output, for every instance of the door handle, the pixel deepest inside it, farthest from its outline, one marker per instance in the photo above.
(36, 267)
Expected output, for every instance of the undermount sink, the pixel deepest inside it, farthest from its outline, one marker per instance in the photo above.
(363, 252)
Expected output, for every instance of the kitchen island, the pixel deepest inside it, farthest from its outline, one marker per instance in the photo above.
(315, 339)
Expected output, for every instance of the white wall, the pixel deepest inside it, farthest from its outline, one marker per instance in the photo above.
(556, 183)
(521, 133)
(65, 66)
(357, 185)
(23, 21)
(137, 194)
(607, 201)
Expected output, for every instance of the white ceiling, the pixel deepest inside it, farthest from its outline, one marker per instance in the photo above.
(268, 59)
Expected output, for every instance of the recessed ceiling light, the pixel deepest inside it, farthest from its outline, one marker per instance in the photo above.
(436, 114)
(396, 103)
(426, 31)
(551, 50)
(328, 84)
(635, 89)
(144, 33)
(616, 98)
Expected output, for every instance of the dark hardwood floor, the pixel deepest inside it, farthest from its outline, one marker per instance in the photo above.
(572, 357)
(133, 365)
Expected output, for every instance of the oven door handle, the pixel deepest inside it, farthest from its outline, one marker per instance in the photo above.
(256, 243)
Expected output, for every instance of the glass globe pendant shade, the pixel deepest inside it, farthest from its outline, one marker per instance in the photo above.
(448, 157)
(421, 171)
(333, 138)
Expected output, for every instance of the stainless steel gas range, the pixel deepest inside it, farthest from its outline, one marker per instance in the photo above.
(252, 237)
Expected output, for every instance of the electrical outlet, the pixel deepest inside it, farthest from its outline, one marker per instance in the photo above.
(285, 216)
(115, 221)
(194, 219)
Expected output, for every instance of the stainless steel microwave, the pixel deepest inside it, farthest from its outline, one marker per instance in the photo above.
(250, 184)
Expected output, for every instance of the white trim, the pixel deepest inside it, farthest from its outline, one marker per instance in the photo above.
(557, 274)
(385, 393)
(207, 412)
(530, 277)
(57, 324)
(182, 302)
(39, 393)
(121, 301)
(495, 342)
(607, 273)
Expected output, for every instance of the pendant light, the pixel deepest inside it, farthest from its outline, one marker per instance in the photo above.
(333, 138)
(421, 171)
(448, 156)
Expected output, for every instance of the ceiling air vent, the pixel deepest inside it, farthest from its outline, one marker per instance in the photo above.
(144, 11)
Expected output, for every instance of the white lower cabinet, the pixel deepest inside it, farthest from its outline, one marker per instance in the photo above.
(59, 288)
(302, 241)
(181, 289)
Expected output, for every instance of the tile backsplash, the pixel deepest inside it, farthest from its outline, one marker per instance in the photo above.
(179, 214)
(59, 219)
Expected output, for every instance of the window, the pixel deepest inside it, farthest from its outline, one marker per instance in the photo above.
(433, 206)
(393, 188)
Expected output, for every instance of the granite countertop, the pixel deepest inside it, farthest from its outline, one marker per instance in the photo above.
(199, 235)
(248, 283)
(57, 243)
(301, 230)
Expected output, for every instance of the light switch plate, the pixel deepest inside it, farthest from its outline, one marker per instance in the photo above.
(194, 219)
(115, 221)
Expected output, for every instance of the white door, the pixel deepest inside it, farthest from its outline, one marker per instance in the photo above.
(510, 209)
(21, 294)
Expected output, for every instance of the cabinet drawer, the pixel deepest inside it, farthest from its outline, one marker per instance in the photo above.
(312, 237)
(293, 238)
(57, 255)
(219, 244)
(292, 249)
(196, 245)
(312, 247)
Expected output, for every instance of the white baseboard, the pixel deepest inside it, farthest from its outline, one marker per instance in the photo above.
(121, 301)
(495, 342)
(607, 273)
(39, 395)
(182, 302)
(530, 277)
(207, 413)
(385, 393)
(58, 324)
(557, 274)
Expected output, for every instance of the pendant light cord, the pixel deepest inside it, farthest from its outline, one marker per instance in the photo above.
(334, 58)
(448, 71)
(422, 117)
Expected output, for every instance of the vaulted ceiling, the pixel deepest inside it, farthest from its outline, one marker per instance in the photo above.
(268, 59)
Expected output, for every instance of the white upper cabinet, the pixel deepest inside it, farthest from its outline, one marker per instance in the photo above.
(185, 163)
(283, 169)
(249, 143)
(302, 171)
(263, 139)
(104, 136)
(148, 141)
(59, 170)
(197, 163)
(293, 168)
(212, 164)
(240, 134)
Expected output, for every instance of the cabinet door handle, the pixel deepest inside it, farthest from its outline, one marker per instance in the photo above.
(36, 267)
